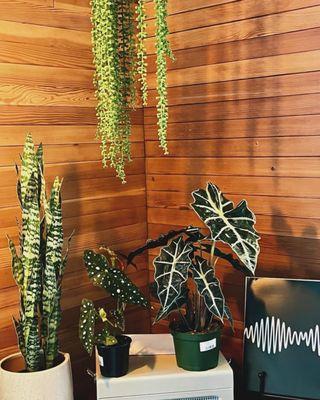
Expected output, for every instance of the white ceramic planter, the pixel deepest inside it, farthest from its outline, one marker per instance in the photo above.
(52, 384)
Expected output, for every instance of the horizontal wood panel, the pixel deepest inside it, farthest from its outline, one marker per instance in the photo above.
(53, 115)
(24, 95)
(84, 187)
(178, 6)
(37, 54)
(254, 147)
(268, 205)
(264, 186)
(286, 43)
(252, 108)
(243, 69)
(196, 14)
(266, 166)
(11, 135)
(41, 14)
(305, 18)
(285, 85)
(78, 5)
(50, 77)
(254, 127)
(47, 115)
(43, 35)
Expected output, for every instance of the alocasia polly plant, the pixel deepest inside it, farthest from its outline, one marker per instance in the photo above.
(185, 269)
(39, 265)
(106, 271)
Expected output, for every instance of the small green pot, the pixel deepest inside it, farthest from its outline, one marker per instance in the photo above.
(197, 351)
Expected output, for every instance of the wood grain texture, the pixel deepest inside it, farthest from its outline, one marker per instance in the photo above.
(273, 24)
(195, 14)
(46, 88)
(243, 113)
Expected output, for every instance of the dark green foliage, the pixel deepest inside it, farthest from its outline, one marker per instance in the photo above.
(231, 225)
(38, 269)
(171, 272)
(104, 271)
(88, 317)
(185, 281)
(113, 280)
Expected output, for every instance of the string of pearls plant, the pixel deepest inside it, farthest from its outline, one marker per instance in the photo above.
(119, 33)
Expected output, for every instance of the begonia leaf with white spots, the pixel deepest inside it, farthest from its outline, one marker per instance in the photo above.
(113, 280)
(88, 316)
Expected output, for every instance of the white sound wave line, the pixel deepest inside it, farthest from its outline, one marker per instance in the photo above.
(273, 336)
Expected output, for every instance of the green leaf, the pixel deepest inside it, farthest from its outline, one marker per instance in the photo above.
(113, 280)
(19, 331)
(118, 320)
(17, 267)
(32, 345)
(209, 287)
(171, 272)
(88, 316)
(233, 226)
(228, 315)
(179, 302)
(105, 337)
(29, 166)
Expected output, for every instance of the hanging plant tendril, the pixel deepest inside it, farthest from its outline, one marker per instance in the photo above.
(119, 31)
(163, 51)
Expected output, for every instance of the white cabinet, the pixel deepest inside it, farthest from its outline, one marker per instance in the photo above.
(157, 377)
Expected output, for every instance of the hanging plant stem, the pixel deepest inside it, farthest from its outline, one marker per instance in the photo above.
(119, 31)
(163, 51)
(141, 50)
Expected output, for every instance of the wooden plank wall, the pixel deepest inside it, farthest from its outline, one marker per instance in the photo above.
(244, 97)
(46, 88)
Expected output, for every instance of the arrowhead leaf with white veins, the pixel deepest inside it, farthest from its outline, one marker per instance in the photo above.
(231, 225)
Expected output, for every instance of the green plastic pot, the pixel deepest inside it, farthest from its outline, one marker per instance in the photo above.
(197, 351)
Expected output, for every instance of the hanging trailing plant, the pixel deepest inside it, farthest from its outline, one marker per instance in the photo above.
(119, 31)
(163, 51)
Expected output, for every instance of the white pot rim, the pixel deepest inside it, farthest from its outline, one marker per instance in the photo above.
(45, 371)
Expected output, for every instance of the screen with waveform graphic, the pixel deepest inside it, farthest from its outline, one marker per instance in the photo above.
(282, 337)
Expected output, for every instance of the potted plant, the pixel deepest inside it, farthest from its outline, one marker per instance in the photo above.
(106, 270)
(185, 274)
(39, 370)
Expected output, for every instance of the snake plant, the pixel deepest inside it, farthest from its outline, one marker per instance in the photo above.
(39, 264)
(105, 271)
(185, 269)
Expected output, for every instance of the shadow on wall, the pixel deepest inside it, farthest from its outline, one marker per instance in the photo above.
(301, 250)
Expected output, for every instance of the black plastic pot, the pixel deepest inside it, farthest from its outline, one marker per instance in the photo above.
(197, 351)
(114, 360)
